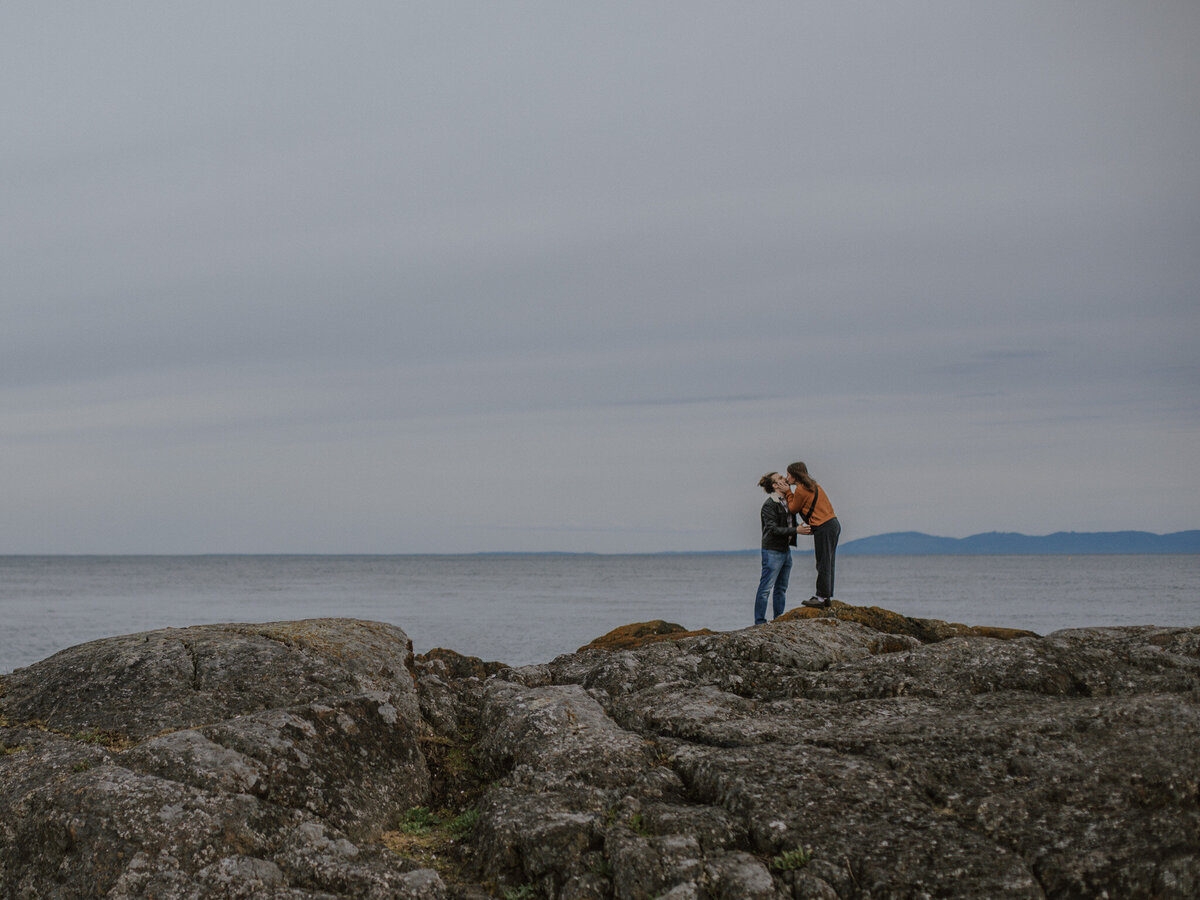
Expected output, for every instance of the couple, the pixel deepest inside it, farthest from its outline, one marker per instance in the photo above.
(794, 494)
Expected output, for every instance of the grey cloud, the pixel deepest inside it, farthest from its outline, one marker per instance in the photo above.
(387, 236)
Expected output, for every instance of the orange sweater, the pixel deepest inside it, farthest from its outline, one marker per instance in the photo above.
(802, 497)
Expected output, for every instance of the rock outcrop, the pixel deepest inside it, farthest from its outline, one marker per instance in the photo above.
(839, 754)
(234, 760)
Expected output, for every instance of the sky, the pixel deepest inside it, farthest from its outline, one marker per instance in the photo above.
(471, 277)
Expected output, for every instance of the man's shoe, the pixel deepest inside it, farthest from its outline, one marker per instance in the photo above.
(828, 602)
(814, 603)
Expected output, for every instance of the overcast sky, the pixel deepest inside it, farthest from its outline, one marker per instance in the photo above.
(456, 277)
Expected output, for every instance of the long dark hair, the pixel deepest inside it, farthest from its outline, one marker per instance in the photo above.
(799, 471)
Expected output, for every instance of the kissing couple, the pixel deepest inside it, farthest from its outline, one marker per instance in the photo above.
(794, 494)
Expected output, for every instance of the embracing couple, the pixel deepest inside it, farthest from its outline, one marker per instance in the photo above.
(791, 495)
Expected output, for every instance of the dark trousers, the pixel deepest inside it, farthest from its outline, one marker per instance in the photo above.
(825, 538)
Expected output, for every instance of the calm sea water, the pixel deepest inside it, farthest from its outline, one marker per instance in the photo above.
(525, 609)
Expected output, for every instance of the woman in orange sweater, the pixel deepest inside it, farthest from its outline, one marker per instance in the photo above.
(813, 506)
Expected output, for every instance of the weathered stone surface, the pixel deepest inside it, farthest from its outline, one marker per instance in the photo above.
(843, 754)
(274, 747)
(641, 633)
(459, 666)
(140, 685)
(1064, 766)
(926, 630)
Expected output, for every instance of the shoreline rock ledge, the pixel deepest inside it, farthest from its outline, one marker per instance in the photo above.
(846, 753)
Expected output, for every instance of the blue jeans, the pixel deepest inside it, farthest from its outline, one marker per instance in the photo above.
(776, 567)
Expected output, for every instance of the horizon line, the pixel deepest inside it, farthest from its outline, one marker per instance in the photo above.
(597, 553)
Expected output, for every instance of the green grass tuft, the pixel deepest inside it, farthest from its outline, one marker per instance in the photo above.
(792, 859)
(463, 824)
(638, 825)
(419, 820)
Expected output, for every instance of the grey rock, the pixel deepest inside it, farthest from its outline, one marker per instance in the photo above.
(1064, 766)
(814, 758)
(557, 734)
(232, 760)
(143, 684)
(737, 875)
(646, 866)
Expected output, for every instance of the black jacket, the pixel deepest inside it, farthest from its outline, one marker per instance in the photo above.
(778, 526)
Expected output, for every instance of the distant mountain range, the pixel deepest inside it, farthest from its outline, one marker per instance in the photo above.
(914, 543)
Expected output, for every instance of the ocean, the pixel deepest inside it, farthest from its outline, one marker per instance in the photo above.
(530, 608)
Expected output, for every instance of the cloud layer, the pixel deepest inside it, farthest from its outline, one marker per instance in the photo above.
(296, 278)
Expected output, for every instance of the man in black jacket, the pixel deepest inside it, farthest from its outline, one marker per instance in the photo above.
(779, 532)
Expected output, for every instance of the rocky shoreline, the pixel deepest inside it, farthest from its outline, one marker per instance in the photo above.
(848, 753)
